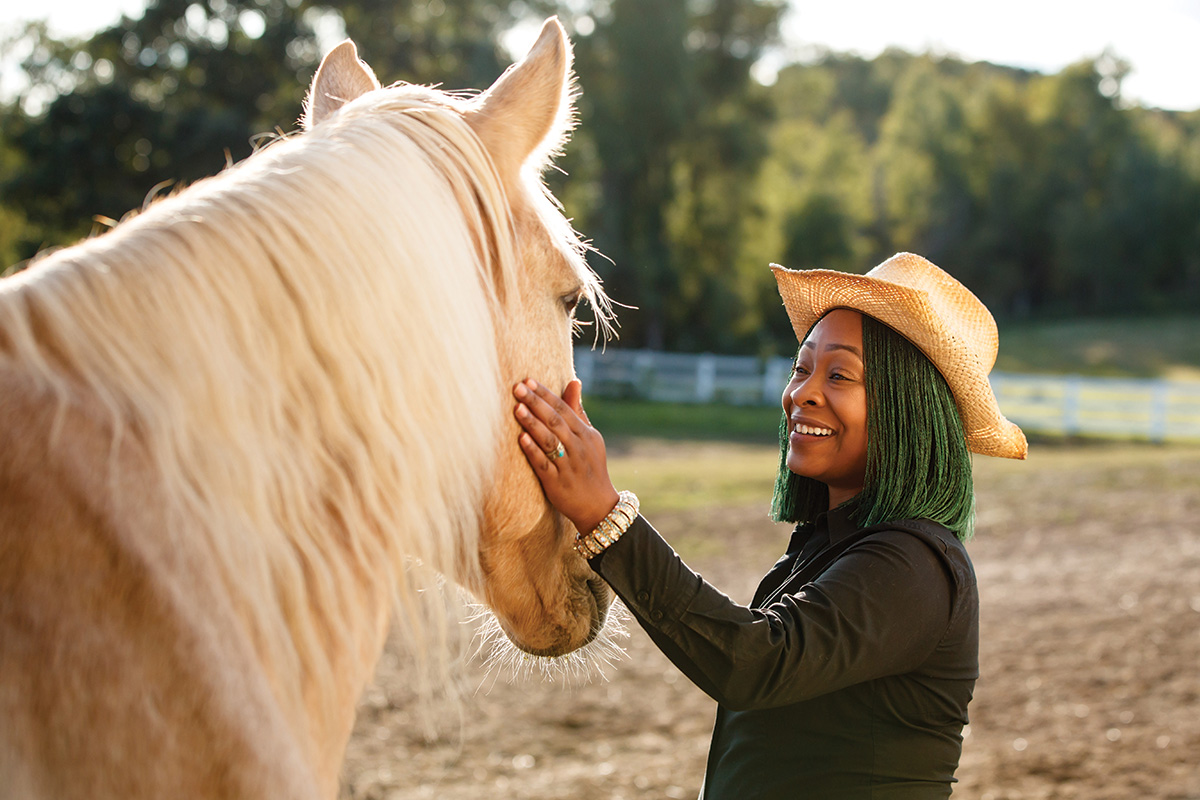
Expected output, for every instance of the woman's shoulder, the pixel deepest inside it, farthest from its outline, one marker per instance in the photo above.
(934, 533)
(939, 539)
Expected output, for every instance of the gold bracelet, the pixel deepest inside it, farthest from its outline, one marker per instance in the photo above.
(610, 528)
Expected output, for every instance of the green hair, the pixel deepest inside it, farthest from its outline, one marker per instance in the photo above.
(918, 465)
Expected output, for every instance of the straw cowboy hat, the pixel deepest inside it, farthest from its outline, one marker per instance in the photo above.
(933, 311)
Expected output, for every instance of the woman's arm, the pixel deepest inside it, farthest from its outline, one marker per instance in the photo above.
(879, 610)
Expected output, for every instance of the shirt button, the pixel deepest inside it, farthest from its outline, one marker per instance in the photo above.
(643, 597)
(656, 615)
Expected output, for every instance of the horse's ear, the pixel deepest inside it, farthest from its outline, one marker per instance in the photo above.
(340, 79)
(528, 109)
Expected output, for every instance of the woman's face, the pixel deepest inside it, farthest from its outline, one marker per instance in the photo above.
(826, 406)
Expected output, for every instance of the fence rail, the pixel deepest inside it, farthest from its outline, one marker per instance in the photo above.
(1157, 410)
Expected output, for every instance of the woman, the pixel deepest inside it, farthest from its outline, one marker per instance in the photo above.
(849, 674)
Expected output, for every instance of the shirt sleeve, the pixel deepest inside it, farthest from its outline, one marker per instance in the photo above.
(880, 609)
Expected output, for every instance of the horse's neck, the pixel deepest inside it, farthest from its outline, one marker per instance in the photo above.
(320, 395)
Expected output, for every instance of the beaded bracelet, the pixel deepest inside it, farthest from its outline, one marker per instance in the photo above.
(610, 528)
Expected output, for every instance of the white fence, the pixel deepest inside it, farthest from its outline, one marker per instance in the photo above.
(1158, 410)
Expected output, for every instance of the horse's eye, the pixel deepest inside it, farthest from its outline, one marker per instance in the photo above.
(571, 301)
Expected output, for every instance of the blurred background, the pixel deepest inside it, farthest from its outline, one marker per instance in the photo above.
(715, 136)
(1045, 153)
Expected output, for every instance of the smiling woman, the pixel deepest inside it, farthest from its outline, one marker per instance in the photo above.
(920, 467)
(826, 408)
(849, 673)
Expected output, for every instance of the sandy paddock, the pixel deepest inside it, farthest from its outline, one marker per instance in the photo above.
(1089, 566)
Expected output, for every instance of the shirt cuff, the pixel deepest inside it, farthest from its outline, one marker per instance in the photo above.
(648, 575)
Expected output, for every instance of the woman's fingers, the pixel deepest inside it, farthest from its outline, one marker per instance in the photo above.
(577, 483)
(535, 453)
(537, 433)
(551, 410)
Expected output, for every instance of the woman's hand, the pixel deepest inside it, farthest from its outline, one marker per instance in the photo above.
(576, 482)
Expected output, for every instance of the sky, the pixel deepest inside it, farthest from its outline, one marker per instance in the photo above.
(1159, 38)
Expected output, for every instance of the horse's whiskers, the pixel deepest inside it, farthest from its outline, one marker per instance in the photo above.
(500, 657)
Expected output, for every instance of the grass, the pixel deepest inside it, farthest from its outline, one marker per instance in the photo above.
(676, 476)
(1167, 347)
(622, 419)
(678, 456)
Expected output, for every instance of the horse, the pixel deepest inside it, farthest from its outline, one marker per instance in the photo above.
(231, 425)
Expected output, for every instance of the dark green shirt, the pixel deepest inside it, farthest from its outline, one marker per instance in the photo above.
(847, 677)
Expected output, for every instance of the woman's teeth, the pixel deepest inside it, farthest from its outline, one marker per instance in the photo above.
(812, 431)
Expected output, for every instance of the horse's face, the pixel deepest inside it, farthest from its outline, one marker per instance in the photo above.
(543, 594)
(546, 598)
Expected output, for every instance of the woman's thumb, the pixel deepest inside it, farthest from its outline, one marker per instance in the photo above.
(573, 397)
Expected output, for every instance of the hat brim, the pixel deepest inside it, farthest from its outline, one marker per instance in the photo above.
(810, 294)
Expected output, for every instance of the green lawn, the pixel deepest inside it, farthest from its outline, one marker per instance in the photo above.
(698, 422)
(676, 475)
(1166, 347)
(678, 456)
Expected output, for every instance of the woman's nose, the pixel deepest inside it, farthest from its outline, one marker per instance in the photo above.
(803, 392)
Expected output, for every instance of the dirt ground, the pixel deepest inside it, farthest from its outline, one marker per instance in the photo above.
(1088, 560)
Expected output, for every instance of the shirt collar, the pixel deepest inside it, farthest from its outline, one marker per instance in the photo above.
(839, 523)
(831, 526)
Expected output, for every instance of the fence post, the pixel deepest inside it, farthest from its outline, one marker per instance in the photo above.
(775, 379)
(1071, 391)
(706, 378)
(585, 366)
(643, 370)
(1158, 410)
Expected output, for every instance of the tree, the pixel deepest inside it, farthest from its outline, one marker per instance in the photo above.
(1046, 194)
(192, 85)
(454, 43)
(675, 121)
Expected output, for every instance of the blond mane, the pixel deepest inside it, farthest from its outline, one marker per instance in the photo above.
(295, 370)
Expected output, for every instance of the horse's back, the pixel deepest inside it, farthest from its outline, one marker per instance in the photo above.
(123, 669)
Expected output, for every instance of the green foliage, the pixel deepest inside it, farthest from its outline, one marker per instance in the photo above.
(152, 102)
(1045, 194)
(678, 129)
(453, 43)
(1144, 347)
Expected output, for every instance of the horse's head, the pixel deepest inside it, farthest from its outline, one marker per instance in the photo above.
(543, 594)
(546, 598)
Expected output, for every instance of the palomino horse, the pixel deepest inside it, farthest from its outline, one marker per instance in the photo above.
(227, 426)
